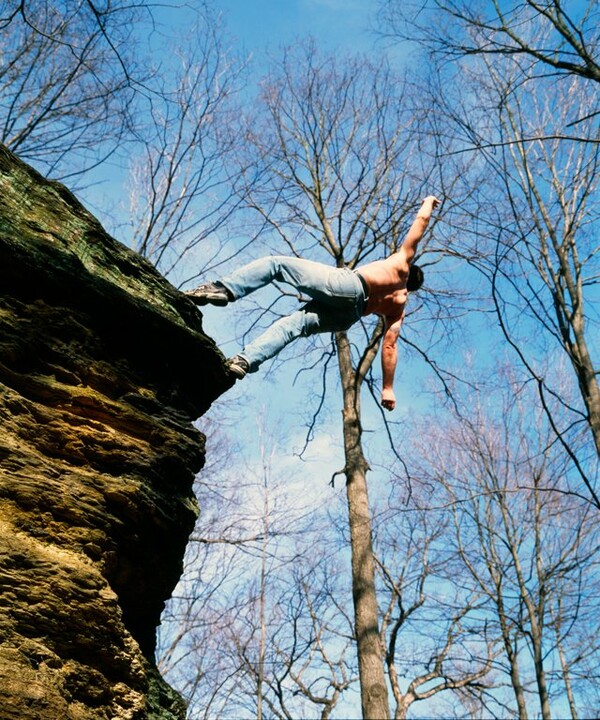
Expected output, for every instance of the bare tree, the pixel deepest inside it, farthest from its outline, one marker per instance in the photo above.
(562, 37)
(525, 545)
(82, 83)
(188, 643)
(525, 213)
(310, 642)
(338, 180)
(435, 641)
(534, 242)
(552, 195)
(328, 636)
(257, 625)
(183, 191)
(67, 80)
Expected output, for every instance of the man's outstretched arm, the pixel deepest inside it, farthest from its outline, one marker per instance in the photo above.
(417, 229)
(389, 359)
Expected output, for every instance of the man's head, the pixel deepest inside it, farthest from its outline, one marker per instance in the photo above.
(415, 278)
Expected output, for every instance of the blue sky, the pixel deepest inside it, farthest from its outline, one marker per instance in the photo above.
(260, 25)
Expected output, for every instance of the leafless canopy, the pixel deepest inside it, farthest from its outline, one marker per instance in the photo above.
(67, 80)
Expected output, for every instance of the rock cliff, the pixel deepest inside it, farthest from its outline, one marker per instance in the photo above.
(103, 367)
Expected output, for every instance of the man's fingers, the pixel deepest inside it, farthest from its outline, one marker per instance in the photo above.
(433, 200)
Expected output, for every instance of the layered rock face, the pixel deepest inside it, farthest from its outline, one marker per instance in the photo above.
(103, 367)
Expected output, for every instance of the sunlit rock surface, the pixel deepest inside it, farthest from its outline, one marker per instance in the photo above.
(103, 368)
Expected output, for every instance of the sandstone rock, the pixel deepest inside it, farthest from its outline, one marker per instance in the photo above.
(103, 368)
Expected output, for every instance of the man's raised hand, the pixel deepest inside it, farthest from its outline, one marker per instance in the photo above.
(428, 206)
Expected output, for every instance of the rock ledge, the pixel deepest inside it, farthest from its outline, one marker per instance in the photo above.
(103, 368)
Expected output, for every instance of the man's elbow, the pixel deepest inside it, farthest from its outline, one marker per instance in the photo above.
(389, 352)
(390, 341)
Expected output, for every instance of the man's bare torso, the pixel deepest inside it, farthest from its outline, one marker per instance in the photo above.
(387, 286)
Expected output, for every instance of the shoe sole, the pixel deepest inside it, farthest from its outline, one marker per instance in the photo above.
(208, 299)
(238, 372)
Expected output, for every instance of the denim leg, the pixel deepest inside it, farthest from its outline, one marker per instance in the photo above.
(336, 286)
(313, 318)
(280, 334)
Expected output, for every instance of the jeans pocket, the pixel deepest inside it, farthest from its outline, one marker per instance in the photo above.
(343, 284)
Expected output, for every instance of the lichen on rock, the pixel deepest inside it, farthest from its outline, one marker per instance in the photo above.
(103, 367)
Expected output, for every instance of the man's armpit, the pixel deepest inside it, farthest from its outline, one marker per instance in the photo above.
(393, 325)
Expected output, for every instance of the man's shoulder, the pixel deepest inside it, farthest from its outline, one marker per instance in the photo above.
(399, 264)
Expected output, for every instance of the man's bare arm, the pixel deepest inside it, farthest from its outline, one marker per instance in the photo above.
(417, 229)
(389, 359)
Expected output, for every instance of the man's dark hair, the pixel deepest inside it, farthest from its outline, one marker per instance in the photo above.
(415, 278)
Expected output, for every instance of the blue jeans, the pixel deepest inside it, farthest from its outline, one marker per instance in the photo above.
(338, 300)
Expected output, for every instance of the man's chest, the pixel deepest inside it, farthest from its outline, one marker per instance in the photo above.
(389, 304)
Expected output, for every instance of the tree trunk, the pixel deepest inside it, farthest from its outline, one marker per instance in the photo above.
(366, 627)
(540, 673)
(566, 675)
(511, 654)
(515, 680)
(587, 378)
(535, 615)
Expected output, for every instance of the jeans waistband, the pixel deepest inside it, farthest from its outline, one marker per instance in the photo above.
(363, 282)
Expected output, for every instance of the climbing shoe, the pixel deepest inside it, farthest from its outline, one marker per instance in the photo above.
(238, 366)
(213, 293)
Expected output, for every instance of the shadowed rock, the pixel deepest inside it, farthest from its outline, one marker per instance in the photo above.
(103, 367)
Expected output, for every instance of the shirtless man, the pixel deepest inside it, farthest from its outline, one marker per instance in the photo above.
(340, 296)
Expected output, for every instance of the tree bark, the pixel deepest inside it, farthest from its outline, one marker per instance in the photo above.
(373, 688)
(535, 613)
(566, 675)
(586, 373)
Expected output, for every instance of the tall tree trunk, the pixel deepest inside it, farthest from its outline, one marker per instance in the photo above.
(534, 614)
(515, 680)
(587, 378)
(540, 673)
(511, 654)
(566, 675)
(366, 627)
